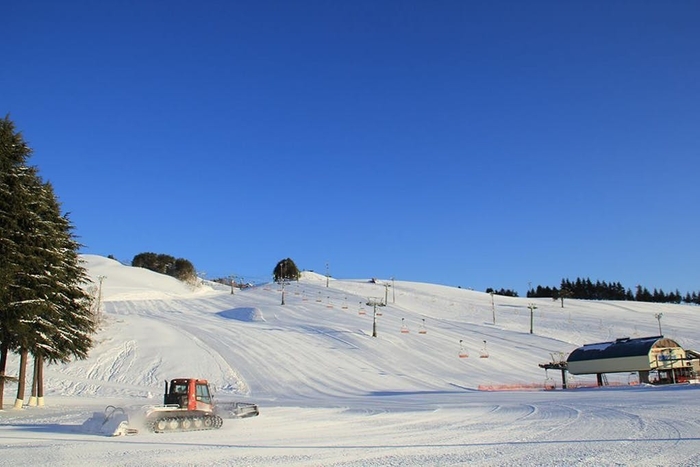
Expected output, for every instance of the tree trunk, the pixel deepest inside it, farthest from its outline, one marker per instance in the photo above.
(3, 366)
(32, 398)
(40, 382)
(23, 356)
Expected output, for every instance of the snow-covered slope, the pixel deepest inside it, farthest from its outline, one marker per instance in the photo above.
(319, 343)
(312, 362)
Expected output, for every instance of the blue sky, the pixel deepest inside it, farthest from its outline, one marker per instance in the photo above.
(475, 144)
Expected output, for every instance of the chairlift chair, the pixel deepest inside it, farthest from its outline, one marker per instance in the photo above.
(484, 353)
(633, 379)
(462, 351)
(549, 383)
(571, 382)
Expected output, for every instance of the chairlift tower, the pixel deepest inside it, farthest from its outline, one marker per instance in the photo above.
(532, 308)
(658, 316)
(99, 292)
(373, 302)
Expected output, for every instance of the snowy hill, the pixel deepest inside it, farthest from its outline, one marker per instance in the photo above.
(315, 356)
(250, 342)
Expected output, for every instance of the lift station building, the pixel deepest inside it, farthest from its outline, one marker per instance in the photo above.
(657, 360)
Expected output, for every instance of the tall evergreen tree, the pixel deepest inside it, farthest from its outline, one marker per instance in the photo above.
(63, 323)
(15, 176)
(44, 307)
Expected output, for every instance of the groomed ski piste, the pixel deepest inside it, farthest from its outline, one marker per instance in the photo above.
(440, 384)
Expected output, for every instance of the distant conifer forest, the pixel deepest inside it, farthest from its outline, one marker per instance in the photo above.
(586, 289)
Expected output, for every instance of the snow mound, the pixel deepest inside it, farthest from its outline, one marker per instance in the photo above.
(247, 314)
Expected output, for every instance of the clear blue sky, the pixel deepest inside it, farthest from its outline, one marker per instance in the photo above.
(475, 144)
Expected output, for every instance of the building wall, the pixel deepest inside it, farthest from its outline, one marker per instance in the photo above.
(609, 365)
(667, 357)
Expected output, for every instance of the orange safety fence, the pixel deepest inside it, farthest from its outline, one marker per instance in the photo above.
(511, 387)
(542, 386)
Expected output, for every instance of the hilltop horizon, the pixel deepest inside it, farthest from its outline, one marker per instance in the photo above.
(648, 292)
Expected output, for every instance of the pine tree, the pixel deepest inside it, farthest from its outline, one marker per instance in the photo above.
(57, 320)
(45, 309)
(14, 198)
(65, 320)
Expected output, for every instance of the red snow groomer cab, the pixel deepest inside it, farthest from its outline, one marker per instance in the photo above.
(188, 405)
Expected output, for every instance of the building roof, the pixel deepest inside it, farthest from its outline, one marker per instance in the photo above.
(619, 348)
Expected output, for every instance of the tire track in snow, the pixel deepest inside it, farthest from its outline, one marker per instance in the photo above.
(111, 364)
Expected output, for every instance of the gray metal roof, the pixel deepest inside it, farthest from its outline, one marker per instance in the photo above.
(624, 347)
